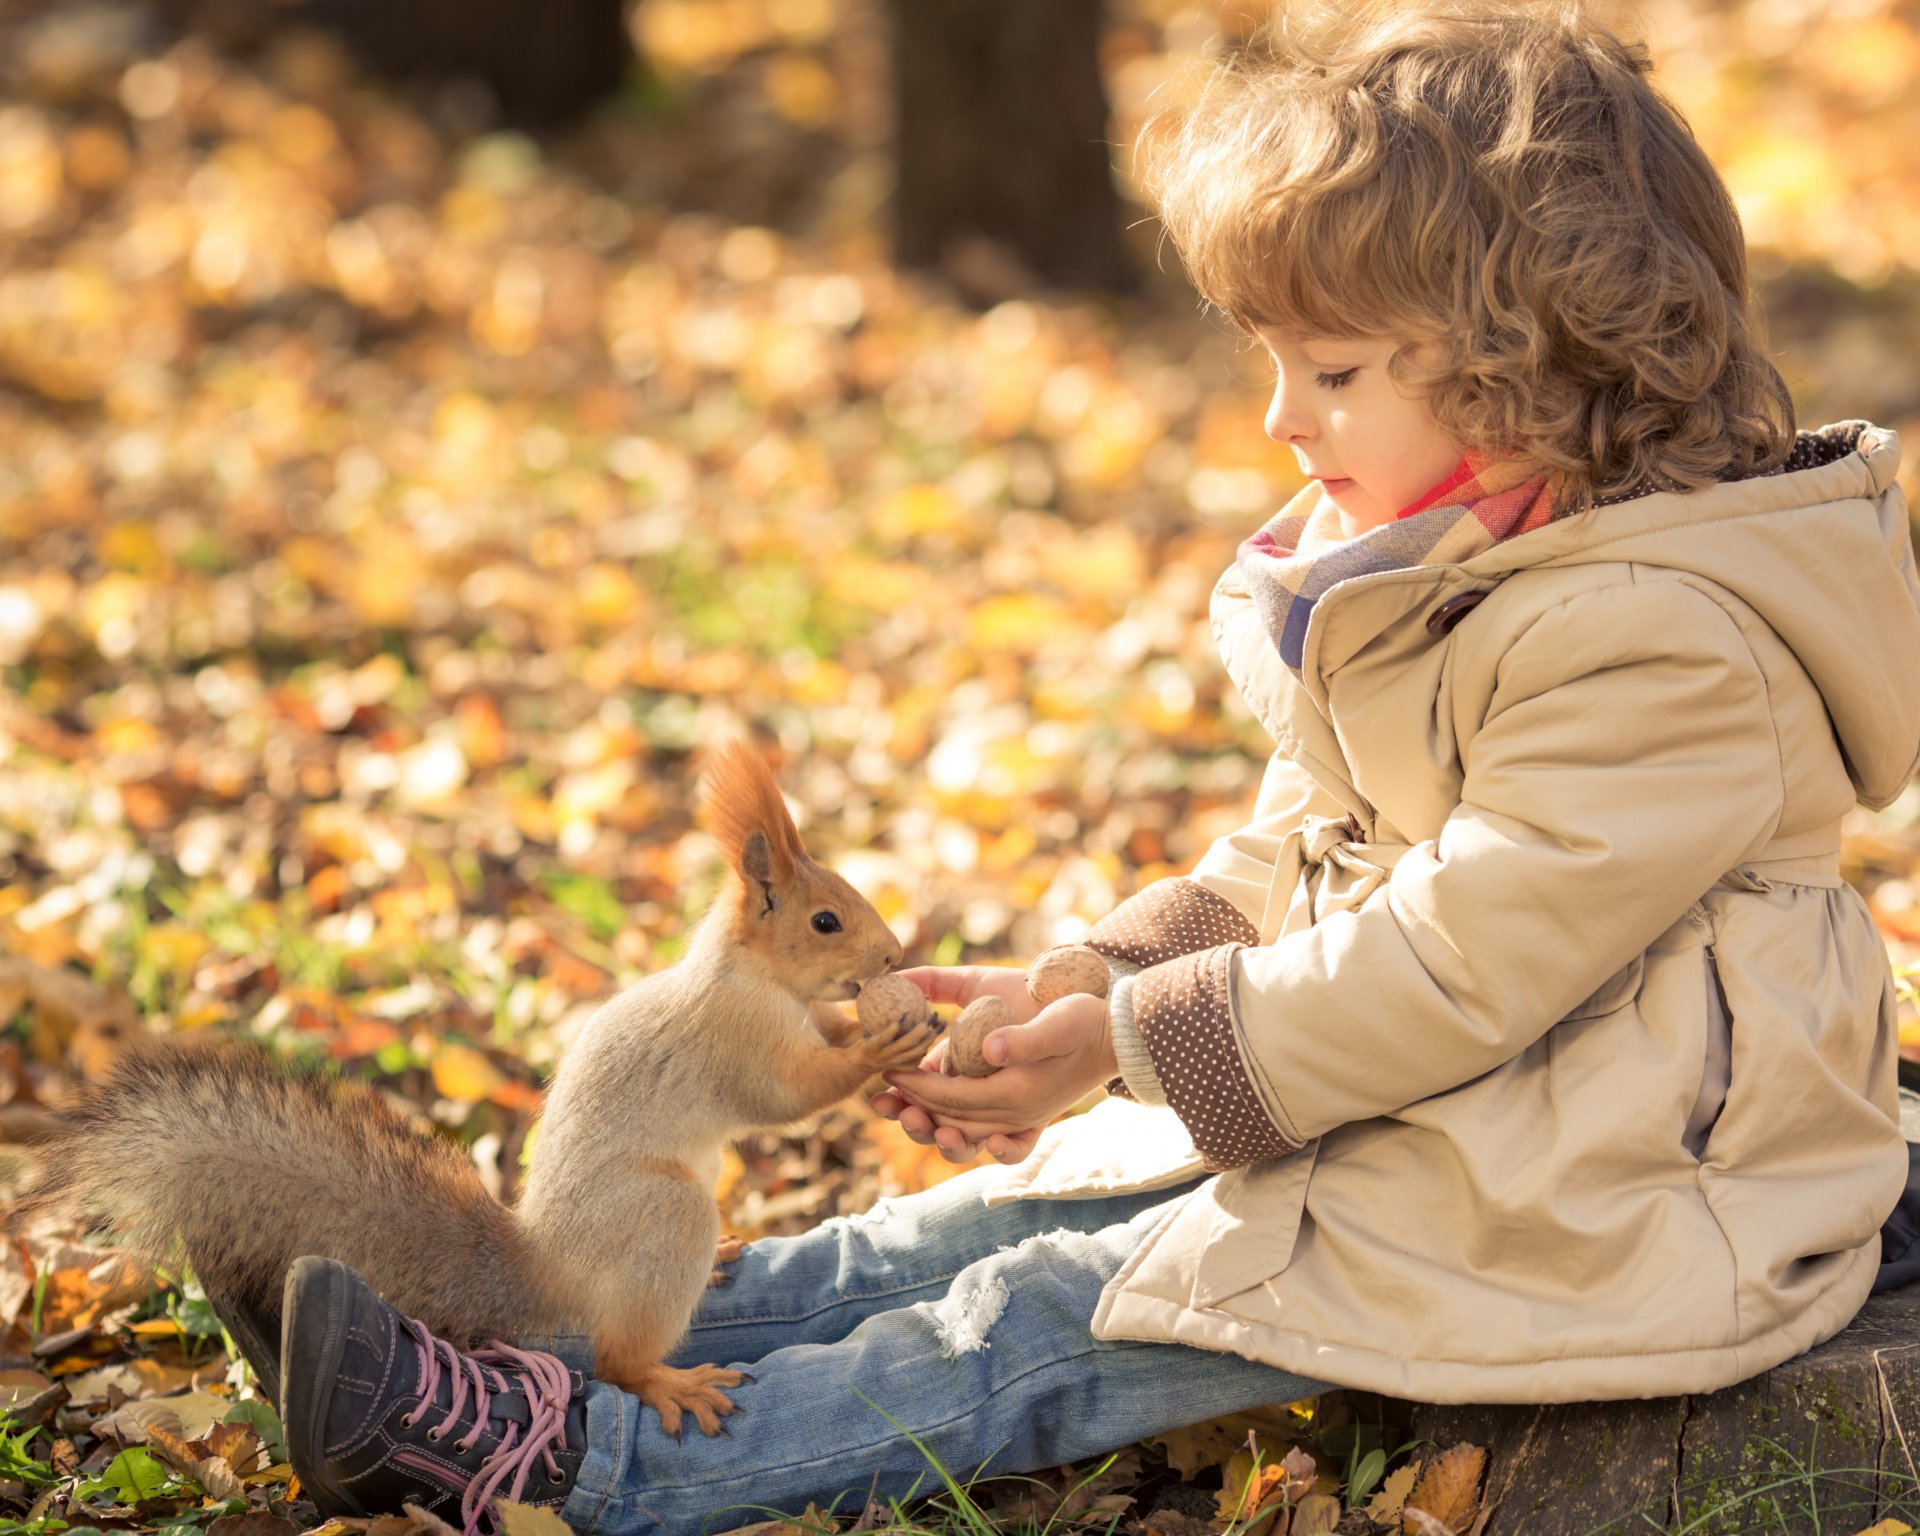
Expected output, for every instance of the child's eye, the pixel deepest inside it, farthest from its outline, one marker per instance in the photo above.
(1338, 380)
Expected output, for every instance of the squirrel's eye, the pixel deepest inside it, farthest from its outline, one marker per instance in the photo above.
(825, 922)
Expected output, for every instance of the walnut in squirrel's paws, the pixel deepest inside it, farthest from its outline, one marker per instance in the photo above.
(899, 1025)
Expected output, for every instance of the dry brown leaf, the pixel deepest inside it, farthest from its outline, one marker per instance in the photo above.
(158, 1379)
(1197, 1446)
(1315, 1515)
(1449, 1488)
(94, 1385)
(21, 1386)
(237, 1444)
(1385, 1506)
(255, 1522)
(16, 1274)
(133, 1423)
(183, 1457)
(427, 1523)
(219, 1479)
(1417, 1522)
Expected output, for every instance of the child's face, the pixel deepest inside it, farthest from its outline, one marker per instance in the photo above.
(1373, 449)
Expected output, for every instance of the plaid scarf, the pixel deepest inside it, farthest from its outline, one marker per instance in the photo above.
(1296, 558)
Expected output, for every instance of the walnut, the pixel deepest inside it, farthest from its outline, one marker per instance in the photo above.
(890, 1004)
(1064, 970)
(980, 1018)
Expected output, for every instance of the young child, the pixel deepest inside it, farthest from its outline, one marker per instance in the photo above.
(1526, 1044)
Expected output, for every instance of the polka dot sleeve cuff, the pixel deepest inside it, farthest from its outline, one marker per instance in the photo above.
(1169, 918)
(1182, 1010)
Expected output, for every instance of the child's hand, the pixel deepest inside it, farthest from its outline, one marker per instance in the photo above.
(1048, 1060)
(960, 985)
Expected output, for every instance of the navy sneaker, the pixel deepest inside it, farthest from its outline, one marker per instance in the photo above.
(379, 1413)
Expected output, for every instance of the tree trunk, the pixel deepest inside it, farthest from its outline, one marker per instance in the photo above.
(546, 62)
(1001, 134)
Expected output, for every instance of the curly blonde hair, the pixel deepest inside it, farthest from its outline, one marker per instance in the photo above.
(1496, 183)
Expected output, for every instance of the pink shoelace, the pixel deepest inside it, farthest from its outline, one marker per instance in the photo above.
(548, 1390)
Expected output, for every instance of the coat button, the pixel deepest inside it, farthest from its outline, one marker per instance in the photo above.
(1452, 611)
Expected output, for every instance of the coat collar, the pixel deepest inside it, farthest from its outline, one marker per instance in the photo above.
(1820, 552)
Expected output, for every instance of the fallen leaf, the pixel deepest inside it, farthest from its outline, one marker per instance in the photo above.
(181, 1456)
(1315, 1515)
(526, 1520)
(465, 1075)
(237, 1444)
(134, 1423)
(93, 1386)
(1449, 1488)
(1171, 1522)
(254, 1522)
(20, 1386)
(158, 1378)
(199, 1412)
(1385, 1506)
(1196, 1446)
(219, 1479)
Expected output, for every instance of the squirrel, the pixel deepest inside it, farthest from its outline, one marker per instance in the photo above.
(616, 1231)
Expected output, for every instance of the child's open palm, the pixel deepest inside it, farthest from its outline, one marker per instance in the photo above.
(1047, 1060)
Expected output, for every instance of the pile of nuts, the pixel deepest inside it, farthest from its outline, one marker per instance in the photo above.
(892, 1002)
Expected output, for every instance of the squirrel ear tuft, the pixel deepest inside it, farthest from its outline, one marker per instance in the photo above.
(748, 817)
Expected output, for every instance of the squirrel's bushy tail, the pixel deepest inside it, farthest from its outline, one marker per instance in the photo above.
(216, 1149)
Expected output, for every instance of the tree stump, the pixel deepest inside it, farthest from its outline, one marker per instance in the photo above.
(1827, 1442)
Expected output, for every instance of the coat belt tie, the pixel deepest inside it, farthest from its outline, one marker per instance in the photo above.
(1324, 866)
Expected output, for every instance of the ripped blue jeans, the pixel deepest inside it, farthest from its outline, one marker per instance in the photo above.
(931, 1315)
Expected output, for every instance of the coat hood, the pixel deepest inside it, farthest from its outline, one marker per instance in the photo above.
(1821, 549)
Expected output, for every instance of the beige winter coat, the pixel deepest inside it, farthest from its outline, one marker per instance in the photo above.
(1586, 1049)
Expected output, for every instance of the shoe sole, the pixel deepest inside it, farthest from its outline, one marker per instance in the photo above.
(312, 1283)
(249, 1327)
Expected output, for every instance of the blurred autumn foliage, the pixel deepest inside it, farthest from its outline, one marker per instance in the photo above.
(391, 502)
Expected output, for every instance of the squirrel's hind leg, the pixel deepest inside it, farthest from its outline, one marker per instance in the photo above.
(644, 1298)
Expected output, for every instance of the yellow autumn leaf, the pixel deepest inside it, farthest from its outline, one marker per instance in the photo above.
(174, 946)
(465, 1075)
(886, 586)
(1385, 1506)
(917, 510)
(1017, 621)
(609, 596)
(529, 1520)
(126, 734)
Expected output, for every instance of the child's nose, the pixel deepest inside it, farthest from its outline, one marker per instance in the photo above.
(1285, 423)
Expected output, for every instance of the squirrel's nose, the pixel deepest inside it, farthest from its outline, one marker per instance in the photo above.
(895, 954)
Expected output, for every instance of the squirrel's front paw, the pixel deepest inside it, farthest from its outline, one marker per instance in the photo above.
(904, 1044)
